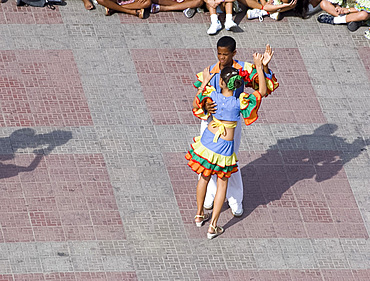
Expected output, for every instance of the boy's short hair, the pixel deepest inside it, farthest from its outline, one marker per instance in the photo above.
(228, 42)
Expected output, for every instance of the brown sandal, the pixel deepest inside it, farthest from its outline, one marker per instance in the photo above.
(140, 13)
(109, 12)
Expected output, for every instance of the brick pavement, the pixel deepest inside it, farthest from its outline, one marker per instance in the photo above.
(95, 121)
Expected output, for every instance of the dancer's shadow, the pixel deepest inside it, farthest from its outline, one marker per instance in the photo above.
(291, 160)
(42, 144)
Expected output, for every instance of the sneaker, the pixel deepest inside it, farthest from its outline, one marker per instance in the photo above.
(256, 14)
(189, 12)
(275, 16)
(367, 34)
(354, 25)
(154, 8)
(230, 24)
(325, 18)
(214, 28)
(237, 210)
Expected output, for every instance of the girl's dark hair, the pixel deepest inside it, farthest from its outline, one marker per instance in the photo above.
(227, 73)
(228, 42)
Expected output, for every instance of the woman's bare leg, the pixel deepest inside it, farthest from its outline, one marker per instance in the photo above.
(218, 202)
(201, 194)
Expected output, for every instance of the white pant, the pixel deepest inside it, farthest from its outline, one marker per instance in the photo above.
(234, 192)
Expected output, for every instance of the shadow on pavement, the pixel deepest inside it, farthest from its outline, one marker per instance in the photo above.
(291, 160)
(27, 138)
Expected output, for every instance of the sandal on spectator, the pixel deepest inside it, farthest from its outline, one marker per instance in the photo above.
(218, 230)
(189, 12)
(154, 8)
(204, 218)
(140, 13)
(108, 12)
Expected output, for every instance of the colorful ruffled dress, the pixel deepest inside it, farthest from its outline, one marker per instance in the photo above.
(247, 70)
(210, 154)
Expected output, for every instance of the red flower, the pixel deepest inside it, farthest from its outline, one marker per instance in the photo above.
(245, 75)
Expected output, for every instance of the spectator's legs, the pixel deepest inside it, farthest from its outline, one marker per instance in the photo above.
(360, 16)
(329, 8)
(215, 23)
(229, 23)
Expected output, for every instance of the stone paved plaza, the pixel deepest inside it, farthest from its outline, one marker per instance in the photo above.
(95, 121)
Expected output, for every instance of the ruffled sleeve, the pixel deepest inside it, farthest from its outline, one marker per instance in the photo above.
(200, 100)
(249, 105)
(199, 82)
(252, 80)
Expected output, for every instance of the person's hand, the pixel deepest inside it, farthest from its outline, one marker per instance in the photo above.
(207, 76)
(340, 10)
(257, 58)
(267, 56)
(291, 4)
(210, 106)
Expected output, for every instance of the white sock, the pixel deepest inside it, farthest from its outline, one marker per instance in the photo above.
(340, 19)
(229, 17)
(214, 18)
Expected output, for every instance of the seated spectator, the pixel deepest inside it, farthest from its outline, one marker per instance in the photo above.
(225, 5)
(336, 14)
(272, 8)
(187, 6)
(131, 7)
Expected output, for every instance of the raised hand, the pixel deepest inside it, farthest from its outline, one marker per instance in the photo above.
(267, 56)
(258, 60)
